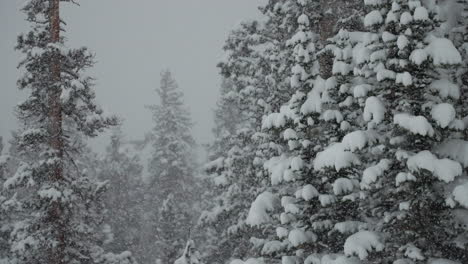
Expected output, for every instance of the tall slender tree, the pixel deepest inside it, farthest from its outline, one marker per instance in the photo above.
(60, 203)
(172, 168)
(124, 199)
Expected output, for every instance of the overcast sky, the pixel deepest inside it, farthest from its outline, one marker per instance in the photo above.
(134, 40)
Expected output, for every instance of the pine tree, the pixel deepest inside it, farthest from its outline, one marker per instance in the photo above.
(170, 193)
(419, 114)
(60, 204)
(124, 197)
(5, 209)
(232, 167)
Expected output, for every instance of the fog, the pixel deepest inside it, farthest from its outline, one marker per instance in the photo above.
(134, 41)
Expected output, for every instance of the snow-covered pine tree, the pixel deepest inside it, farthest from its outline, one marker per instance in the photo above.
(227, 119)
(5, 223)
(417, 98)
(169, 195)
(59, 203)
(459, 36)
(124, 197)
(232, 169)
(296, 134)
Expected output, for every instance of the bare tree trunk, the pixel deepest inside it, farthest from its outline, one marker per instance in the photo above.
(56, 212)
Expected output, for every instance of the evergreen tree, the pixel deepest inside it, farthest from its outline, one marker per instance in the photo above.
(231, 167)
(60, 205)
(5, 212)
(124, 197)
(410, 78)
(170, 193)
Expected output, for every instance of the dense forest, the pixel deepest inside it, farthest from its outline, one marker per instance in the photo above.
(341, 137)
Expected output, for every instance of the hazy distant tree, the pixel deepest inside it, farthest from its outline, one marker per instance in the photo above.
(124, 197)
(170, 190)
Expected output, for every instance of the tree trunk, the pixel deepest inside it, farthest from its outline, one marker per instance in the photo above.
(326, 30)
(56, 212)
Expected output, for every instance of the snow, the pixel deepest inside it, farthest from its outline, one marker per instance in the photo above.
(287, 200)
(361, 90)
(355, 140)
(20, 175)
(360, 53)
(297, 163)
(414, 4)
(444, 169)
(443, 52)
(50, 193)
(378, 55)
(345, 125)
(303, 20)
(220, 180)
(404, 177)
(347, 102)
(371, 174)
(405, 18)
(313, 103)
(418, 56)
(383, 74)
(277, 120)
(288, 260)
(457, 124)
(460, 194)
(298, 75)
(374, 110)
(277, 166)
(309, 192)
(442, 261)
(36, 51)
(341, 68)
(248, 261)
(404, 206)
(455, 149)
(349, 227)
(335, 156)
(332, 115)
(298, 237)
(373, 18)
(391, 17)
(415, 124)
(362, 243)
(443, 114)
(289, 134)
(373, 2)
(413, 252)
(272, 247)
(281, 232)
(286, 218)
(326, 199)
(402, 42)
(420, 13)
(332, 259)
(404, 78)
(260, 208)
(387, 36)
(342, 186)
(445, 88)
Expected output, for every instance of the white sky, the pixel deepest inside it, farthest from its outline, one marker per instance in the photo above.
(134, 40)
